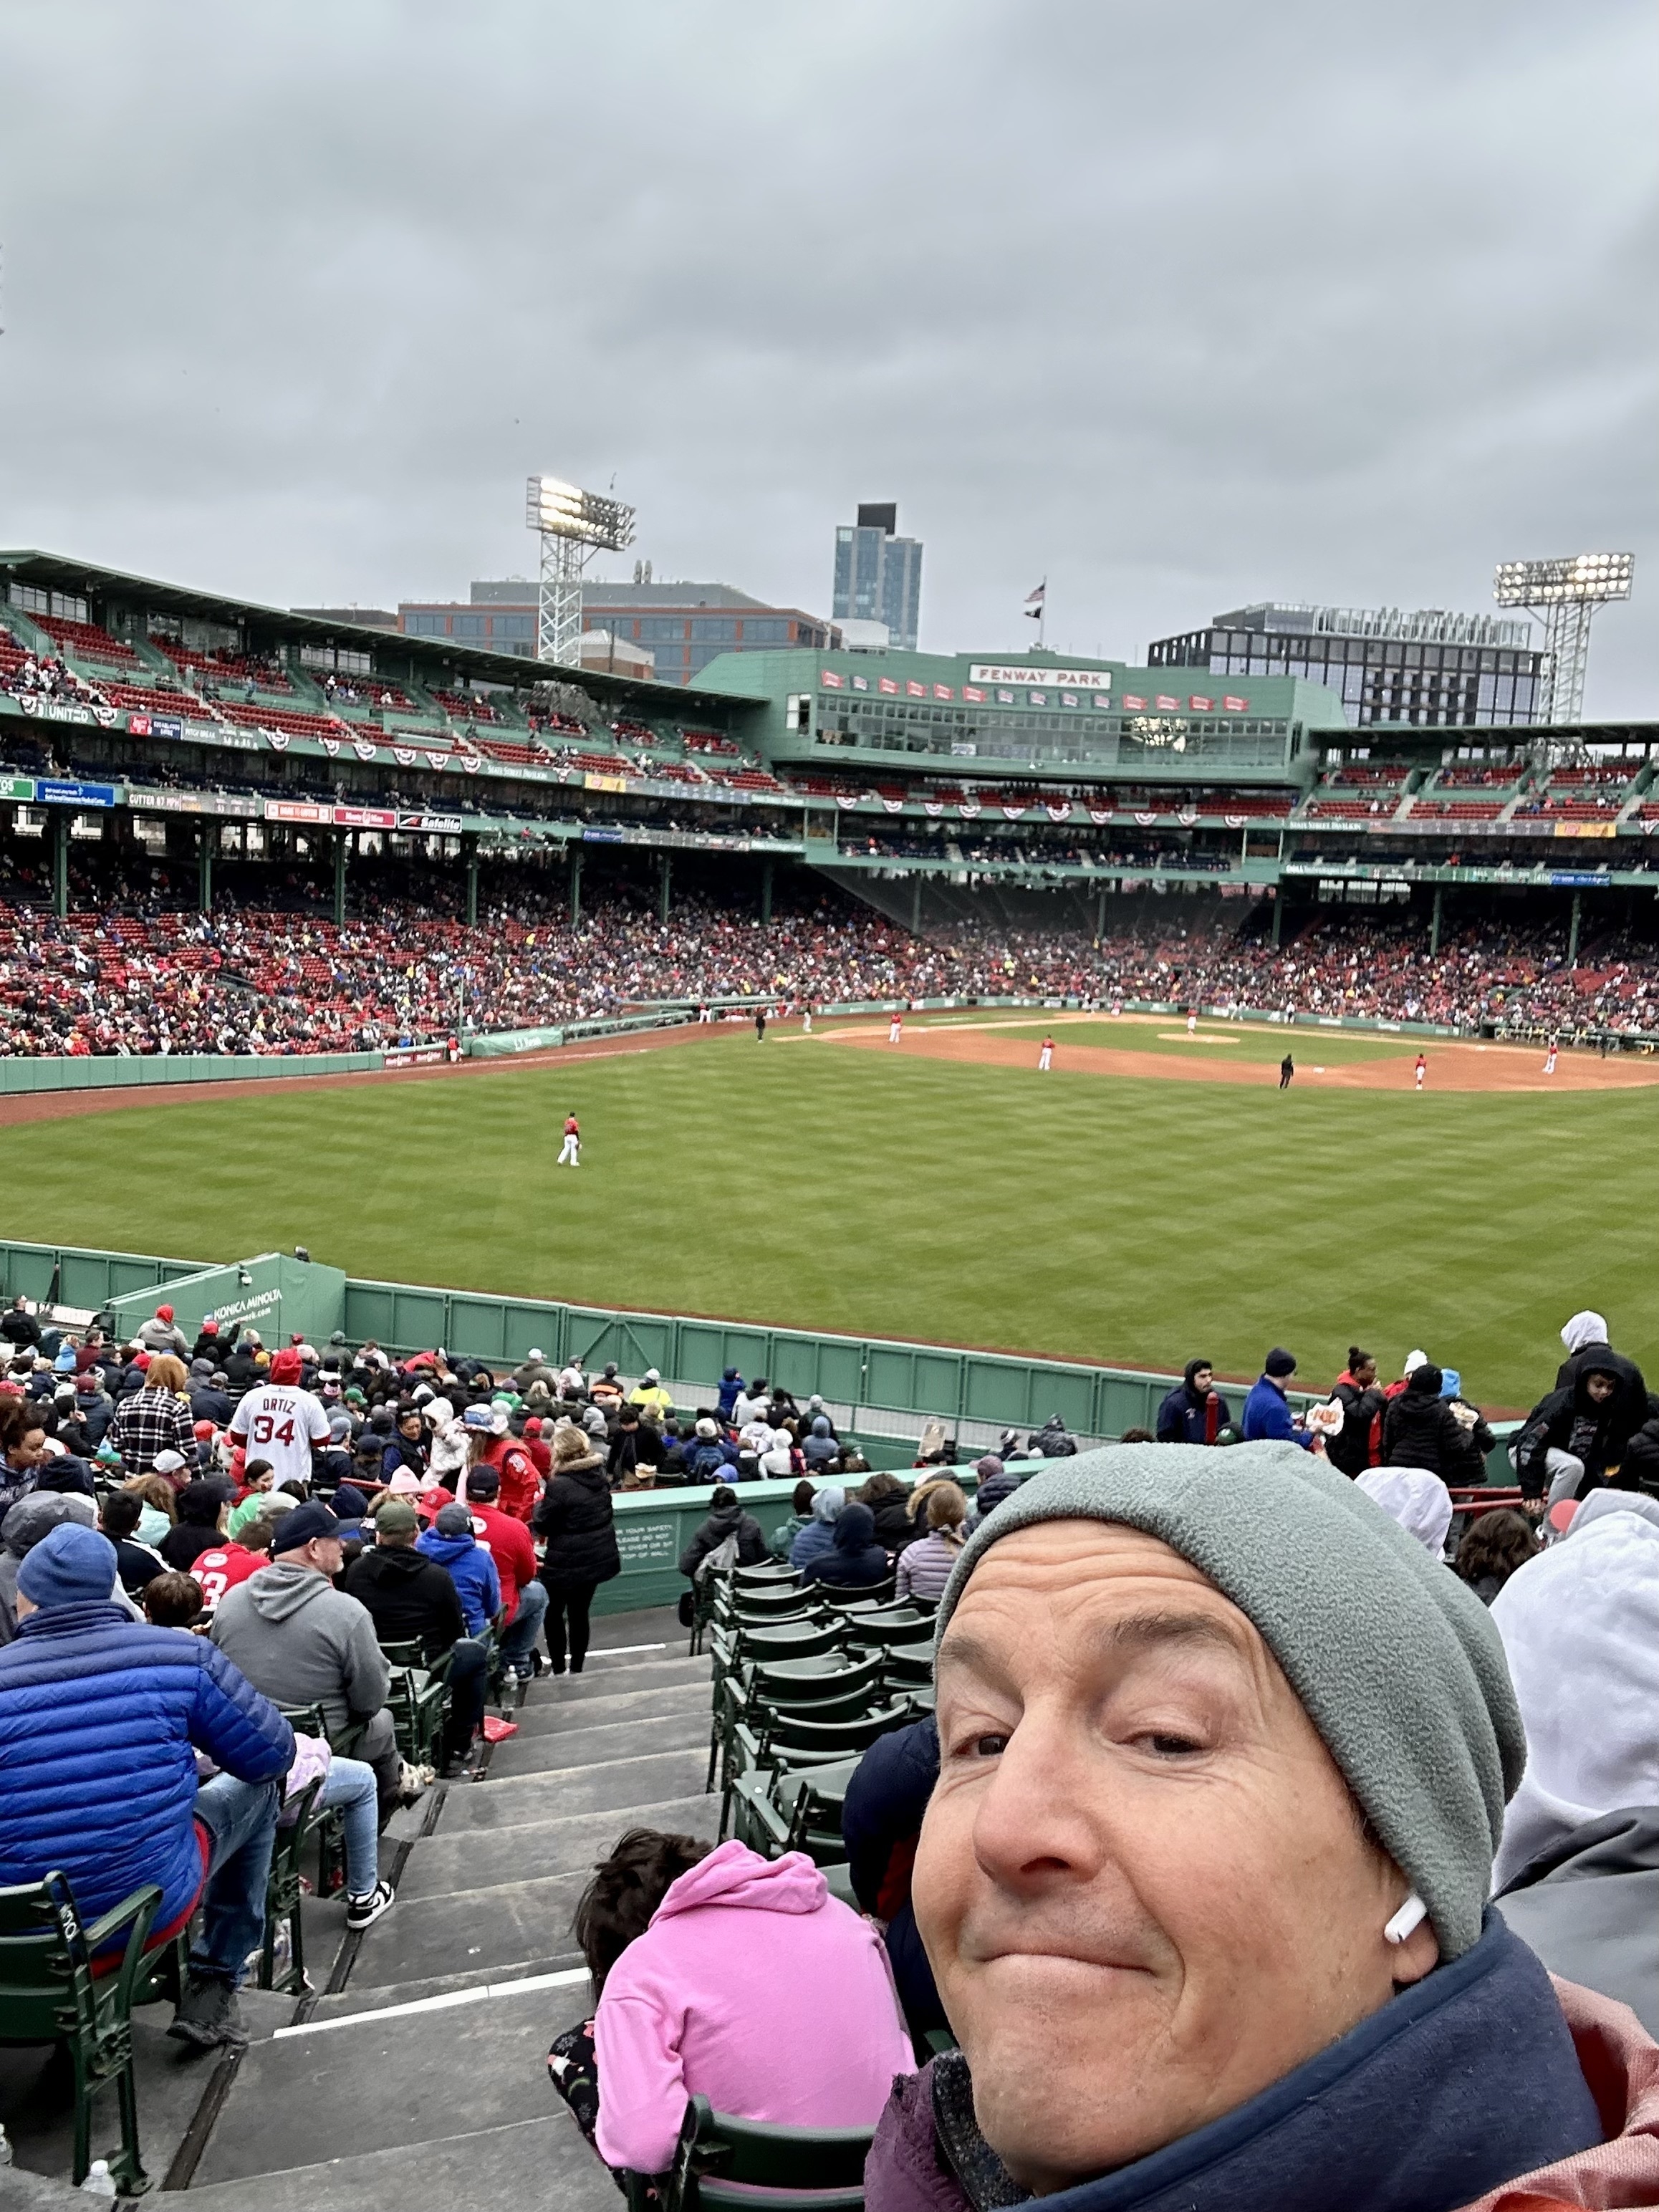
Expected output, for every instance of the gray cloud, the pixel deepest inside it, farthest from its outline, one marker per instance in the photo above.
(1177, 303)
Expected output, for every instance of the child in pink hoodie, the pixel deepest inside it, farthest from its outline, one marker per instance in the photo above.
(751, 1986)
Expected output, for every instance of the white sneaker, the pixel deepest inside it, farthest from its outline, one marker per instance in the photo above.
(363, 1912)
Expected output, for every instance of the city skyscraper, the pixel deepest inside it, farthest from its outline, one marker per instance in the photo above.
(878, 575)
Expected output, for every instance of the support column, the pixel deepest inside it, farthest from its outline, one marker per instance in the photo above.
(665, 879)
(1100, 914)
(60, 824)
(1572, 932)
(470, 849)
(1279, 915)
(766, 892)
(915, 906)
(341, 839)
(1434, 921)
(575, 885)
(207, 834)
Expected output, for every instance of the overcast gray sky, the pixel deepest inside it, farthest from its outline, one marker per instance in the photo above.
(1179, 303)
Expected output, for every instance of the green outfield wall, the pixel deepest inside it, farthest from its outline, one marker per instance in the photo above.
(883, 1390)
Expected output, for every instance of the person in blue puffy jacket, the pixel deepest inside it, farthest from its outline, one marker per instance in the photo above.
(451, 1542)
(100, 1721)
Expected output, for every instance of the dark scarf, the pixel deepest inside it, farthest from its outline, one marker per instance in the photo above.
(1415, 2110)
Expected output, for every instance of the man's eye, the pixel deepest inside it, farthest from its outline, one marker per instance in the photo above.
(1172, 1747)
(983, 1747)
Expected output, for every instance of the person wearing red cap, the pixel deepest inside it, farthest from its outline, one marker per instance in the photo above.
(280, 1422)
(161, 1335)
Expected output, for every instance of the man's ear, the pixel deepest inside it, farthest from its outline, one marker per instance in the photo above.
(1419, 1955)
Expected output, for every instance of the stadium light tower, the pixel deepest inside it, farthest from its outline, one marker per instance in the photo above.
(1565, 594)
(573, 525)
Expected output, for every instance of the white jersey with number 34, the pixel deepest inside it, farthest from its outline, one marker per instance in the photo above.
(280, 1424)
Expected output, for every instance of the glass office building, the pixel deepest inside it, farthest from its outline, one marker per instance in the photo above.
(1429, 668)
(878, 575)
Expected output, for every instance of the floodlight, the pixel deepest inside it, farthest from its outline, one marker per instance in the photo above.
(573, 525)
(1596, 576)
(1565, 593)
(556, 509)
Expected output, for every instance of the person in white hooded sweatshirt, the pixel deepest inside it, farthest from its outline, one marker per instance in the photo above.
(1577, 1874)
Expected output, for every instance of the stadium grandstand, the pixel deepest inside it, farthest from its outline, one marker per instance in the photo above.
(591, 1673)
(228, 829)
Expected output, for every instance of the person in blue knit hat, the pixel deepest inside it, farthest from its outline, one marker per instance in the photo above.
(99, 1722)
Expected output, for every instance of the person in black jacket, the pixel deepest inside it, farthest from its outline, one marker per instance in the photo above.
(1468, 1464)
(889, 1502)
(854, 1559)
(880, 1821)
(726, 1518)
(1572, 1438)
(574, 1515)
(1419, 1428)
(1195, 1412)
(20, 1327)
(1361, 1397)
(1585, 1337)
(214, 1345)
(413, 1600)
(203, 1507)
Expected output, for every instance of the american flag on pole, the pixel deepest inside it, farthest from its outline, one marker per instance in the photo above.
(1034, 604)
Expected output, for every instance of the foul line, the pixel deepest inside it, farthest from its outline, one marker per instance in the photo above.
(443, 2002)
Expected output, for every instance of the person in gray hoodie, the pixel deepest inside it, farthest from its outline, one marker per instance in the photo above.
(304, 1643)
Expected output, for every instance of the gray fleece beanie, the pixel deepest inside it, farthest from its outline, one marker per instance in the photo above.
(1396, 1661)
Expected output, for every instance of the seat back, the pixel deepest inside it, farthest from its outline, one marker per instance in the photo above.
(764, 1605)
(805, 1681)
(797, 1739)
(791, 1641)
(884, 1631)
(45, 1969)
(773, 1572)
(722, 2160)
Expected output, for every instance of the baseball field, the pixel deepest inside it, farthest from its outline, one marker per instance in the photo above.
(1152, 1198)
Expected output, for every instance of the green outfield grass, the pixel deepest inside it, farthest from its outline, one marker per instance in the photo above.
(803, 1183)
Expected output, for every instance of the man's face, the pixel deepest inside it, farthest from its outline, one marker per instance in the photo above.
(409, 1426)
(1141, 1880)
(1202, 1377)
(324, 1554)
(1599, 1388)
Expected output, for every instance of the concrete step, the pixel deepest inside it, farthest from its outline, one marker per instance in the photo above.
(391, 2084)
(590, 1747)
(602, 1681)
(508, 1927)
(470, 1860)
(551, 1717)
(524, 2163)
(552, 1791)
(37, 2104)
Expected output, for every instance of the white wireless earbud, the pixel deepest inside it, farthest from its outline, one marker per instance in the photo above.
(1410, 1917)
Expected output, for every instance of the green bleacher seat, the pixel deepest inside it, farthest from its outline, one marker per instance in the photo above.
(48, 1994)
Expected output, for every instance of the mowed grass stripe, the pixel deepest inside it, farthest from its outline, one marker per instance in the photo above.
(1119, 1220)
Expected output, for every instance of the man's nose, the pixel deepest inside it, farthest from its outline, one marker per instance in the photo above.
(1033, 1826)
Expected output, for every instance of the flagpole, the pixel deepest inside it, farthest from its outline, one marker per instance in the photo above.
(1043, 619)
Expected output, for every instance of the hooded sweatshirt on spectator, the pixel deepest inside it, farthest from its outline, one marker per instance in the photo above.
(712, 2002)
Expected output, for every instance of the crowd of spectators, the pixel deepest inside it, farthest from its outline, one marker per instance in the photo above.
(1161, 1873)
(142, 977)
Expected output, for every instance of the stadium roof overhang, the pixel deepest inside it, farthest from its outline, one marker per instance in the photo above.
(429, 659)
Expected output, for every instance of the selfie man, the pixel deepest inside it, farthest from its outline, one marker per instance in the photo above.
(1224, 1761)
